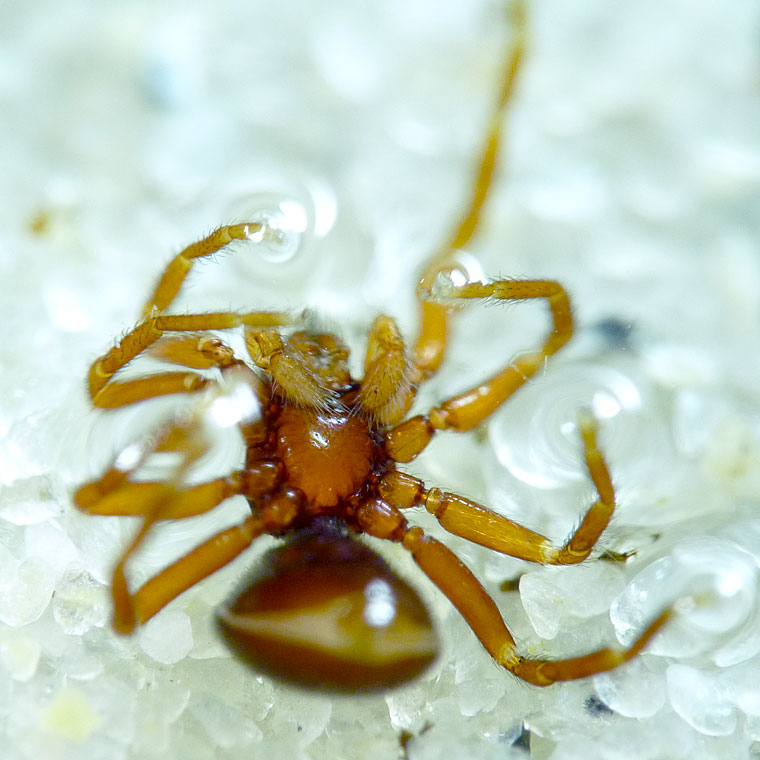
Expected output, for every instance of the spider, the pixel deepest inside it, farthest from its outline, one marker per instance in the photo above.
(324, 610)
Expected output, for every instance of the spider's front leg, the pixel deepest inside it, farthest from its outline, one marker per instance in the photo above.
(108, 393)
(179, 267)
(467, 410)
(432, 341)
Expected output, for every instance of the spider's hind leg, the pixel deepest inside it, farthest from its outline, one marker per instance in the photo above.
(472, 601)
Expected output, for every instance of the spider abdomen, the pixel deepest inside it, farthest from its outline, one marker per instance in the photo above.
(327, 612)
(326, 456)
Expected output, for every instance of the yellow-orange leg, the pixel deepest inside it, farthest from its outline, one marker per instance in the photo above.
(204, 560)
(468, 409)
(179, 267)
(470, 520)
(275, 516)
(131, 499)
(432, 340)
(387, 390)
(464, 591)
(382, 519)
(154, 501)
(154, 325)
(108, 394)
(159, 507)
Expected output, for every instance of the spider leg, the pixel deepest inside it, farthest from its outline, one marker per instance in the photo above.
(99, 497)
(464, 591)
(383, 519)
(476, 523)
(179, 267)
(123, 393)
(468, 409)
(154, 502)
(432, 340)
(386, 390)
(145, 334)
(204, 560)
(132, 609)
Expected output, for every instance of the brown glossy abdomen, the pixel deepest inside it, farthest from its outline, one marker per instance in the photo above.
(326, 612)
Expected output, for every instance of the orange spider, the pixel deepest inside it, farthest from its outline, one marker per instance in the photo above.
(321, 469)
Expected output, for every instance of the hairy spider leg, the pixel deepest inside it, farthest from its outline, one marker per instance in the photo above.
(115, 497)
(468, 409)
(431, 343)
(109, 394)
(382, 518)
(184, 438)
(179, 267)
(386, 390)
(273, 516)
(153, 501)
(470, 520)
(208, 557)
(113, 494)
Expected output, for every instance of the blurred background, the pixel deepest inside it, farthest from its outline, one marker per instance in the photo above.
(631, 173)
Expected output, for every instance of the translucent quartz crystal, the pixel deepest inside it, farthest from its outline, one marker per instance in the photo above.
(226, 726)
(698, 698)
(714, 587)
(79, 661)
(27, 501)
(633, 691)
(26, 588)
(551, 595)
(80, 602)
(475, 696)
(167, 638)
(19, 654)
(50, 542)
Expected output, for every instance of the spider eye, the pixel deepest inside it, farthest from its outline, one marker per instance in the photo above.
(326, 612)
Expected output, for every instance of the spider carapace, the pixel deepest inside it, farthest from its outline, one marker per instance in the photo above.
(324, 610)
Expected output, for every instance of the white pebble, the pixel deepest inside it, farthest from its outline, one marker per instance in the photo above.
(699, 699)
(168, 637)
(50, 543)
(632, 690)
(19, 654)
(27, 501)
(78, 661)
(225, 725)
(479, 695)
(80, 602)
(26, 593)
(714, 587)
(550, 595)
(543, 603)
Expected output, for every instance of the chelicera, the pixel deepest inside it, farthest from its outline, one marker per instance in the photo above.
(324, 610)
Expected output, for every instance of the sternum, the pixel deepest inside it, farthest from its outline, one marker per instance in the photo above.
(327, 457)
